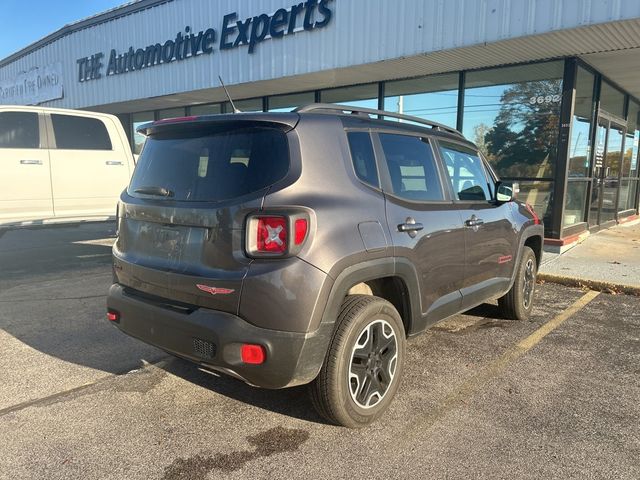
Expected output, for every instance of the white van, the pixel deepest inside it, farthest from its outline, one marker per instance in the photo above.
(60, 165)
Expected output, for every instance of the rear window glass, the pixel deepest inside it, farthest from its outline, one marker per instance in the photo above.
(364, 161)
(80, 133)
(210, 167)
(19, 130)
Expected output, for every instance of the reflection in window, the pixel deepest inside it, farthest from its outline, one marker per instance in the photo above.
(138, 119)
(580, 147)
(286, 103)
(433, 98)
(365, 96)
(512, 114)
(249, 105)
(575, 202)
(19, 130)
(467, 175)
(364, 161)
(209, 109)
(611, 100)
(412, 168)
(630, 160)
(538, 195)
(171, 113)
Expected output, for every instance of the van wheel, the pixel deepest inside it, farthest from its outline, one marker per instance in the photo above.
(518, 302)
(361, 372)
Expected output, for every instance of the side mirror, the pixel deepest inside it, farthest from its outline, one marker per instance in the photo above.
(505, 193)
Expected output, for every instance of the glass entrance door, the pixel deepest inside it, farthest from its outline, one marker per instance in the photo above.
(606, 172)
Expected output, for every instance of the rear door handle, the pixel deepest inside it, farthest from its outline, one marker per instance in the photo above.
(410, 226)
(474, 222)
(113, 162)
(30, 162)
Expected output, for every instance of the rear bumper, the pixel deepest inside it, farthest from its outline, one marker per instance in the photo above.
(213, 339)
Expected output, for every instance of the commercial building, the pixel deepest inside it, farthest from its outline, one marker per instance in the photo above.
(548, 89)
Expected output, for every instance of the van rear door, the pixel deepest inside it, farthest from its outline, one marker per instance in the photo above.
(182, 218)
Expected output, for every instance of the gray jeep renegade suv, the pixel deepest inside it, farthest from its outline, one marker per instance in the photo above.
(306, 247)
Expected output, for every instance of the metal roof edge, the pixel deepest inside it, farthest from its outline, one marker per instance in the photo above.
(112, 14)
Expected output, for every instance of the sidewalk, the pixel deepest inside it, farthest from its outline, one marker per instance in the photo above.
(608, 260)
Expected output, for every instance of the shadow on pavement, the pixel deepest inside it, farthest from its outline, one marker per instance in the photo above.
(292, 402)
(53, 287)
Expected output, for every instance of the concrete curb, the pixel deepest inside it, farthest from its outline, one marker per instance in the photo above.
(599, 285)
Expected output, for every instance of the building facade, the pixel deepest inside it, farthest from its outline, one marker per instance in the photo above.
(547, 89)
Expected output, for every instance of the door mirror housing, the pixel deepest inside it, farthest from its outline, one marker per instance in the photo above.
(506, 192)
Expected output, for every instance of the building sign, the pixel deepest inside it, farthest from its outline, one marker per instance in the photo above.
(234, 33)
(33, 87)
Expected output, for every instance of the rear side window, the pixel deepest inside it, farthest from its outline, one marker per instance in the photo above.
(364, 162)
(19, 130)
(204, 166)
(412, 168)
(467, 174)
(80, 133)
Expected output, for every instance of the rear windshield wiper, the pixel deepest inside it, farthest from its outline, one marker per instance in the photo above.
(158, 191)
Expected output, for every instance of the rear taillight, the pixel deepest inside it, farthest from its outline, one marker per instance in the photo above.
(272, 235)
(276, 235)
(113, 316)
(301, 227)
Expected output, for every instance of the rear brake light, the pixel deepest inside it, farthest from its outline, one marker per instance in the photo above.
(276, 235)
(175, 119)
(300, 230)
(272, 235)
(113, 316)
(253, 354)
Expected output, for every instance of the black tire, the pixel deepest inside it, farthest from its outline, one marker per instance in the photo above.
(356, 383)
(517, 304)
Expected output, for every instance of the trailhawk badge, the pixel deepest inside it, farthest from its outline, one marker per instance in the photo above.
(215, 290)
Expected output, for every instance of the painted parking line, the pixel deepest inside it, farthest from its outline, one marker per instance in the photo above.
(104, 242)
(463, 394)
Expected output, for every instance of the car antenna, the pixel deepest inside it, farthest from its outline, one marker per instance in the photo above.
(235, 110)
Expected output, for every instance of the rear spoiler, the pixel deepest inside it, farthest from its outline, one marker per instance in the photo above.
(231, 121)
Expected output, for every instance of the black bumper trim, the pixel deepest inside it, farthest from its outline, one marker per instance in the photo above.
(292, 358)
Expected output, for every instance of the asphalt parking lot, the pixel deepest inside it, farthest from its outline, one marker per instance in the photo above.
(554, 397)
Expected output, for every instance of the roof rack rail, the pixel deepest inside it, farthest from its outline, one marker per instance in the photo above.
(331, 107)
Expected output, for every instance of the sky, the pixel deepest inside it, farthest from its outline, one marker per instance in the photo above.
(24, 22)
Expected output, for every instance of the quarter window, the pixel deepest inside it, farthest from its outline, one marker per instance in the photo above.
(364, 162)
(80, 133)
(412, 168)
(466, 172)
(19, 130)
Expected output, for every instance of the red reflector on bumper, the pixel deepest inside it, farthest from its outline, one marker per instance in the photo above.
(253, 354)
(113, 316)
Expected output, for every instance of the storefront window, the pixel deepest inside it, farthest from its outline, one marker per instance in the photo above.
(434, 98)
(611, 100)
(209, 109)
(538, 195)
(365, 96)
(249, 105)
(171, 113)
(286, 103)
(138, 119)
(580, 144)
(512, 114)
(626, 197)
(575, 202)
